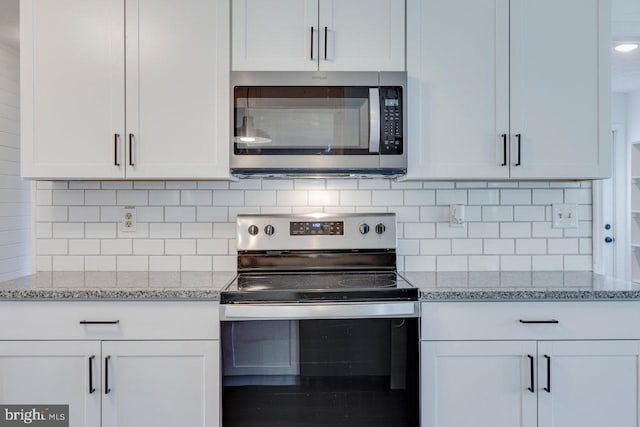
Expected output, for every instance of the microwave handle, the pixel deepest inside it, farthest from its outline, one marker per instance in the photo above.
(374, 120)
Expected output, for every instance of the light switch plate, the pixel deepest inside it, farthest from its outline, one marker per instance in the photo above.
(456, 216)
(565, 216)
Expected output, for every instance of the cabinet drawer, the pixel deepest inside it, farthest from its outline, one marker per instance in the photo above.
(135, 320)
(502, 320)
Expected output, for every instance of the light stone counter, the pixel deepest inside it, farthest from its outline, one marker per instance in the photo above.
(520, 286)
(160, 286)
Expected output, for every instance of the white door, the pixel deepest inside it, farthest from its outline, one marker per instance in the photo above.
(53, 373)
(177, 89)
(362, 35)
(458, 88)
(275, 35)
(478, 383)
(72, 88)
(560, 89)
(591, 383)
(161, 383)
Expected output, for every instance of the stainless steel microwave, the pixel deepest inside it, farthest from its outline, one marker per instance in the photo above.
(318, 124)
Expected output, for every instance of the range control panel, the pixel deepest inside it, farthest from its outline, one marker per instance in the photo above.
(316, 231)
(313, 228)
(391, 120)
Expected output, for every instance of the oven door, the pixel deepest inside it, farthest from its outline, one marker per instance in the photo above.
(295, 367)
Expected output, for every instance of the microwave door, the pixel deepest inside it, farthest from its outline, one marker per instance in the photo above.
(374, 120)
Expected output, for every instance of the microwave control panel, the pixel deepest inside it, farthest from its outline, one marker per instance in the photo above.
(391, 120)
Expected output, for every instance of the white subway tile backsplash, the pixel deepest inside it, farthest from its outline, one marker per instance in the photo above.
(100, 197)
(198, 230)
(451, 263)
(449, 197)
(68, 197)
(132, 263)
(164, 263)
(435, 247)
(196, 197)
(387, 198)
(180, 247)
(164, 198)
(515, 197)
(180, 214)
(497, 213)
(116, 247)
(484, 197)
(191, 225)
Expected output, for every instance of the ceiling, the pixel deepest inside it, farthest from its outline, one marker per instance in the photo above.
(626, 26)
(9, 18)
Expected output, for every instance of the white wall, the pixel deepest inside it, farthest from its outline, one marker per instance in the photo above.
(633, 116)
(191, 225)
(15, 235)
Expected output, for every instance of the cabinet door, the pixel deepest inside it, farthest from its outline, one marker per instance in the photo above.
(458, 88)
(161, 383)
(362, 35)
(275, 35)
(177, 89)
(591, 383)
(72, 88)
(474, 383)
(560, 89)
(50, 373)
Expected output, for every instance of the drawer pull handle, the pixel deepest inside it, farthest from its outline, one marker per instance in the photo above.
(99, 322)
(91, 387)
(531, 322)
(548, 387)
(106, 375)
(531, 378)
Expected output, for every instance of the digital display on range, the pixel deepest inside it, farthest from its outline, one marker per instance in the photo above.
(322, 228)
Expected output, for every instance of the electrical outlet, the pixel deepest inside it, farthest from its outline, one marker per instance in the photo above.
(565, 216)
(128, 219)
(456, 216)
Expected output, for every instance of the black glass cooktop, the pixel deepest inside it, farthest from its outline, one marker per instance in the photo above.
(318, 286)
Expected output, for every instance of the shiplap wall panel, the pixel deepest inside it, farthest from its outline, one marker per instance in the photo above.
(15, 233)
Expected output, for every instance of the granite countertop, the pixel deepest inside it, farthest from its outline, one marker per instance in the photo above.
(520, 286)
(190, 286)
(144, 286)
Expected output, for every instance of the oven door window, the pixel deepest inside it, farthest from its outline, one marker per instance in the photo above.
(301, 120)
(320, 373)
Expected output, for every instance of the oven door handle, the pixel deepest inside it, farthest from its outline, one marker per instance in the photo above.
(374, 120)
(295, 311)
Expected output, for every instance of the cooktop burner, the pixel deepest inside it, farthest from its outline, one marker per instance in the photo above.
(318, 286)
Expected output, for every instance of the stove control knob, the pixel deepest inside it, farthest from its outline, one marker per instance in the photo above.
(364, 228)
(253, 230)
(380, 228)
(269, 230)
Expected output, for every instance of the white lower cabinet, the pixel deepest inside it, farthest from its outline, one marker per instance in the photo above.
(476, 373)
(52, 373)
(160, 383)
(116, 364)
(477, 383)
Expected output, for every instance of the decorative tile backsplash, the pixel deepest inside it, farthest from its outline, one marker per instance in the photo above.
(190, 226)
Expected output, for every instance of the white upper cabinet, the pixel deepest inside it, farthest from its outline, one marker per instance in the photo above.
(72, 88)
(311, 35)
(275, 35)
(74, 98)
(362, 35)
(177, 89)
(533, 72)
(560, 89)
(458, 85)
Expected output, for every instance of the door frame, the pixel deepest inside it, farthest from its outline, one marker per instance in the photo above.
(621, 216)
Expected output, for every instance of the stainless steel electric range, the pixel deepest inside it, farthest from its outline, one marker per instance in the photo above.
(318, 328)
